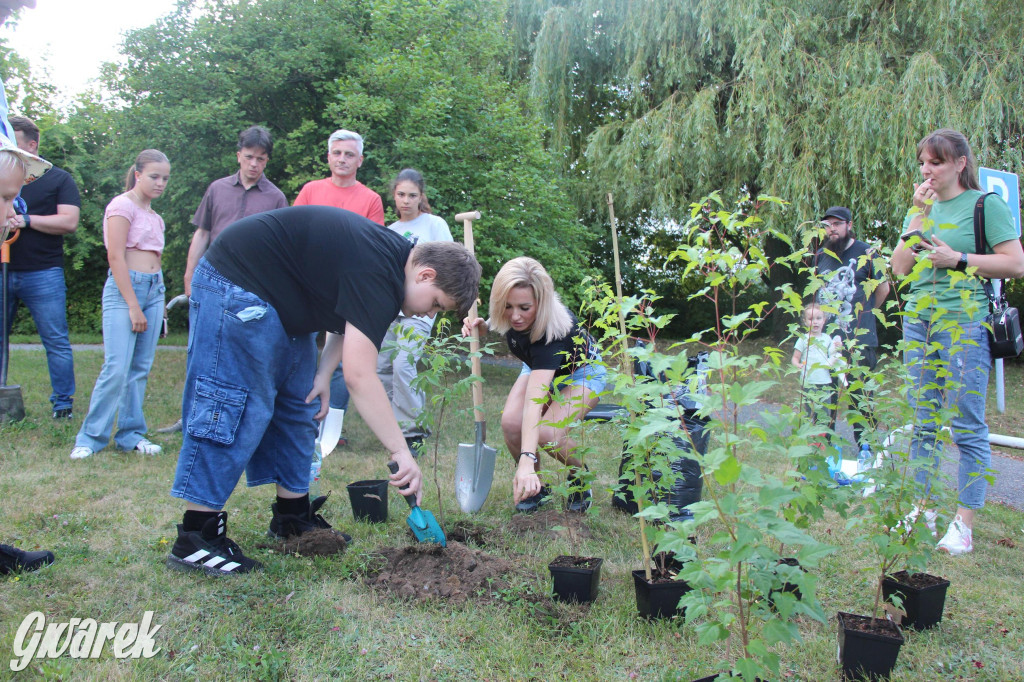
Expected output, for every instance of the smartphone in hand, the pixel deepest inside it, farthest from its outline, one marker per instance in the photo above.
(920, 244)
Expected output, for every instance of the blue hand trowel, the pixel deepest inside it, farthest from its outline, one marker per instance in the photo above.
(422, 523)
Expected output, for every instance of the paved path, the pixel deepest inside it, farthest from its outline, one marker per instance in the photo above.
(1009, 470)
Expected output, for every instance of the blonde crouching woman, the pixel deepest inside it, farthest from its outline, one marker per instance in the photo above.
(546, 337)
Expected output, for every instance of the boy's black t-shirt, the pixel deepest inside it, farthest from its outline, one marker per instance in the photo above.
(563, 355)
(319, 266)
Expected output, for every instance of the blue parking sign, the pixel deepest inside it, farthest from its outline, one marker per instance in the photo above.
(1005, 185)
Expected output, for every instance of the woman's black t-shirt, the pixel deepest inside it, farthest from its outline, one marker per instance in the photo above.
(564, 355)
(319, 266)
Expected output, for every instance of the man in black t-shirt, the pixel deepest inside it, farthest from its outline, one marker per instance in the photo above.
(37, 266)
(853, 289)
(252, 391)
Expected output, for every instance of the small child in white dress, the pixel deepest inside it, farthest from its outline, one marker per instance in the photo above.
(817, 355)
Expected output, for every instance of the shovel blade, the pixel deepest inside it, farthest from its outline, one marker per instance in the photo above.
(429, 531)
(474, 473)
(330, 430)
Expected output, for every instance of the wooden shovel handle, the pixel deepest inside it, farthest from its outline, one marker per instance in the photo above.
(467, 219)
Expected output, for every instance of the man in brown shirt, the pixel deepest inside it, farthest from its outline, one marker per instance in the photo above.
(230, 199)
(237, 196)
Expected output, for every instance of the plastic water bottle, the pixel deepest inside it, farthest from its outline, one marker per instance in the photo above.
(314, 472)
(865, 460)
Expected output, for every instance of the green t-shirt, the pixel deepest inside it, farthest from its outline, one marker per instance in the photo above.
(953, 222)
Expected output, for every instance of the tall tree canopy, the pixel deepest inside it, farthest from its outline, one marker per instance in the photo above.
(424, 81)
(815, 101)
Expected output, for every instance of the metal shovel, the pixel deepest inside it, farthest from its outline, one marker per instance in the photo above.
(421, 522)
(330, 430)
(12, 406)
(474, 466)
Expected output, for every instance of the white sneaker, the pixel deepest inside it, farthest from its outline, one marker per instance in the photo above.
(80, 452)
(958, 539)
(147, 447)
(930, 518)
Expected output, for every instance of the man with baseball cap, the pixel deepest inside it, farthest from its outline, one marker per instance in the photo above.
(853, 288)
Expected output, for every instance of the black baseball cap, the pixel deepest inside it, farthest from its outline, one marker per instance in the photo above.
(840, 212)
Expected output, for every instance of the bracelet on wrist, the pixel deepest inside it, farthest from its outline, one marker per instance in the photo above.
(28, 223)
(531, 455)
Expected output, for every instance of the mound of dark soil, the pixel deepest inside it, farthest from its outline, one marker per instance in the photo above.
(454, 573)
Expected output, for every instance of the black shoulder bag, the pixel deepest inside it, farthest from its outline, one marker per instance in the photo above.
(1003, 322)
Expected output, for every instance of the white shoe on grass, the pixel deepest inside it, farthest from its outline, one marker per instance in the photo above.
(959, 539)
(80, 452)
(930, 518)
(148, 447)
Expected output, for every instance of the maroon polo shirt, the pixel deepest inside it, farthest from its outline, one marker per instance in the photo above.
(226, 201)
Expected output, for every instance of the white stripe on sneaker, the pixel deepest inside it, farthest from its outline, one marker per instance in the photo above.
(218, 562)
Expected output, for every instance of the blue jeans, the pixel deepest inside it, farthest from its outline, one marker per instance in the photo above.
(244, 405)
(592, 376)
(45, 295)
(967, 361)
(127, 359)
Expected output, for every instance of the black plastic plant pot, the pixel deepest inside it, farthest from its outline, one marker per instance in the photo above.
(923, 595)
(660, 598)
(576, 579)
(369, 500)
(868, 647)
(786, 587)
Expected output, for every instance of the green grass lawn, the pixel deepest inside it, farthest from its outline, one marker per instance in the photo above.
(110, 520)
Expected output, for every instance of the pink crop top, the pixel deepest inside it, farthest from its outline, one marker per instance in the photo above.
(146, 228)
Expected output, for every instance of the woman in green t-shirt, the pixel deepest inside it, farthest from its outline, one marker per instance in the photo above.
(943, 213)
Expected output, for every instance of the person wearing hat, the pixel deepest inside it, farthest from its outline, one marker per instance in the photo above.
(17, 167)
(853, 288)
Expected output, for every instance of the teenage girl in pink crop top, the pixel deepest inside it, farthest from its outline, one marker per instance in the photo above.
(133, 302)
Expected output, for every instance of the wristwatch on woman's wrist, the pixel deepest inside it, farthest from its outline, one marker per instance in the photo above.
(961, 264)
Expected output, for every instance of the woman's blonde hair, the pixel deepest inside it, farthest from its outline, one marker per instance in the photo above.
(553, 320)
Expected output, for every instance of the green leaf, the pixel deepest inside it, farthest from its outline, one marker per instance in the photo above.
(727, 471)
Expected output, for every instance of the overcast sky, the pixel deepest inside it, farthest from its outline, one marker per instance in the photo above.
(73, 37)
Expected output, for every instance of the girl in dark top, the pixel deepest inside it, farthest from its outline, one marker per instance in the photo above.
(557, 355)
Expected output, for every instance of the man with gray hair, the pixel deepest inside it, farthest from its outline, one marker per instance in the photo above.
(342, 190)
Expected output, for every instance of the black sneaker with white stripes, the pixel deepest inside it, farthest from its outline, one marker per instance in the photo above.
(210, 550)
